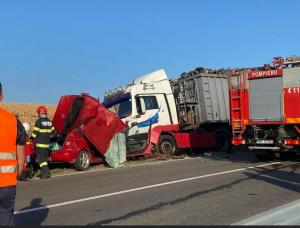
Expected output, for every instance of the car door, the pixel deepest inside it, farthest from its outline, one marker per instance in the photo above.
(147, 109)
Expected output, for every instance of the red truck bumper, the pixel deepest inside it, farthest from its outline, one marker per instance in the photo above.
(195, 140)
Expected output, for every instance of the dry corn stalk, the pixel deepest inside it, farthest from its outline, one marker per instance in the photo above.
(27, 112)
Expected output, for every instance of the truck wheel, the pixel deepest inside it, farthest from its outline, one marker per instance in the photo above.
(223, 140)
(83, 161)
(167, 145)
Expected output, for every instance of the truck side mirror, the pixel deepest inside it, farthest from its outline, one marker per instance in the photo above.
(141, 107)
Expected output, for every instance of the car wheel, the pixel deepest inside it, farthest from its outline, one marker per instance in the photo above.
(83, 161)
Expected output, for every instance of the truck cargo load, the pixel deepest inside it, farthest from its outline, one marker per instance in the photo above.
(204, 95)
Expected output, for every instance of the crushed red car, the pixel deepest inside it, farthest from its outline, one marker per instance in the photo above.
(84, 130)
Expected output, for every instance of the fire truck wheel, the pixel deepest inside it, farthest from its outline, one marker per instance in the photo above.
(83, 161)
(167, 145)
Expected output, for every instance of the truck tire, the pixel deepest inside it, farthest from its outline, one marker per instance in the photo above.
(167, 145)
(223, 140)
(83, 161)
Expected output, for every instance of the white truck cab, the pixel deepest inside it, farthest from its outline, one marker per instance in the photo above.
(145, 104)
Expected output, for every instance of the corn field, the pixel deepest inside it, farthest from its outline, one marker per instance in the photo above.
(27, 112)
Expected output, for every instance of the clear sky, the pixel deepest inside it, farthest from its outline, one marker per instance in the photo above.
(50, 48)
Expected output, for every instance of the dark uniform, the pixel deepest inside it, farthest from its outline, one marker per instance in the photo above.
(21, 134)
(42, 132)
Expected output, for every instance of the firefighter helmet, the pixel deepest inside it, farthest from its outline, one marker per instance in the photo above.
(42, 110)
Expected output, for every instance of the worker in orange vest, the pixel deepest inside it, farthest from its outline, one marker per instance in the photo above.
(12, 158)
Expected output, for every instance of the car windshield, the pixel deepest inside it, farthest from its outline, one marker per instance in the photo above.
(123, 109)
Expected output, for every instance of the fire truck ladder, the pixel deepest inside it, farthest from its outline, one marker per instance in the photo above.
(236, 109)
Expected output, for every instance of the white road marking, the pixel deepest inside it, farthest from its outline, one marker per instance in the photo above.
(142, 188)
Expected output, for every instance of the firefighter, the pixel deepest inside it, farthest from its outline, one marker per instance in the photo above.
(12, 158)
(42, 133)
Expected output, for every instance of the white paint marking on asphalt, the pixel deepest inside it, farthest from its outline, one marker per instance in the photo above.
(287, 214)
(107, 169)
(142, 188)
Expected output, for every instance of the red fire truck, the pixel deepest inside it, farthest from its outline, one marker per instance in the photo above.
(265, 108)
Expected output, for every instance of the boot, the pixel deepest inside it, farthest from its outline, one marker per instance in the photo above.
(45, 173)
(23, 176)
(30, 172)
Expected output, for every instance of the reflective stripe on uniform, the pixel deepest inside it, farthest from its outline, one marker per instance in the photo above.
(43, 164)
(42, 145)
(8, 169)
(36, 129)
(33, 135)
(7, 156)
(45, 131)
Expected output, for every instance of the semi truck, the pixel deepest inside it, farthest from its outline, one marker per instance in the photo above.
(165, 116)
(265, 108)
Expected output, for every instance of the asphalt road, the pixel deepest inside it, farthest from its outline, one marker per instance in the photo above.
(215, 189)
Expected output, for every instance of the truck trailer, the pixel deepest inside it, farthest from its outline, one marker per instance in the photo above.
(265, 108)
(164, 116)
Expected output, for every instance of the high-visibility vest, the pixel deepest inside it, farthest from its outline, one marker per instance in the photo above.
(8, 149)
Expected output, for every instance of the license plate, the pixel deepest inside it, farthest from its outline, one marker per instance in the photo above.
(264, 141)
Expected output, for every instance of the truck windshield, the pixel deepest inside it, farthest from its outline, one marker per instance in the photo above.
(120, 104)
(123, 109)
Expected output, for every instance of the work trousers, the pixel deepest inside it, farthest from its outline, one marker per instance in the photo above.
(42, 155)
(7, 205)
